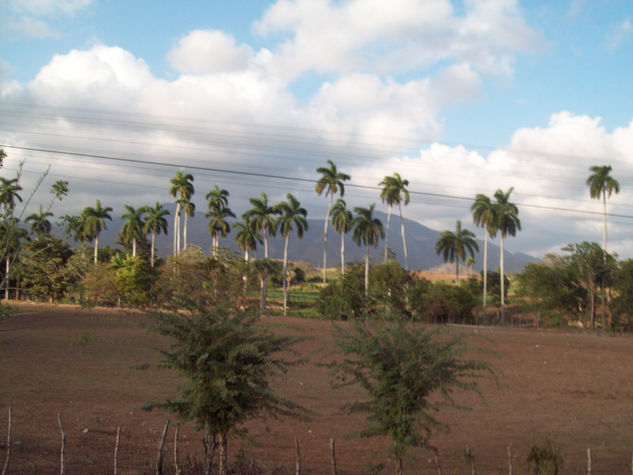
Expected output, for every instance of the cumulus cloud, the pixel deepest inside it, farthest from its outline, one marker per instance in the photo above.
(403, 35)
(203, 51)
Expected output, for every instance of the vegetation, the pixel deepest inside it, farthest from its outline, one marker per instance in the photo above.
(394, 191)
(454, 246)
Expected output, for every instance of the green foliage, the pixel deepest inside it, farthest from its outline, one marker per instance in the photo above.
(134, 281)
(546, 459)
(345, 299)
(100, 287)
(408, 374)
(442, 303)
(389, 284)
(622, 303)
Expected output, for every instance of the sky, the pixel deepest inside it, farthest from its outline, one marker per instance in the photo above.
(458, 97)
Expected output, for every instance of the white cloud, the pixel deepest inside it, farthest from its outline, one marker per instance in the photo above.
(209, 52)
(620, 33)
(48, 7)
(397, 36)
(32, 18)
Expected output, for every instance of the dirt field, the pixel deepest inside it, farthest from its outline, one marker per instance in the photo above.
(87, 365)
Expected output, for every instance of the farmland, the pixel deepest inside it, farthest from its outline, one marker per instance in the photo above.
(96, 367)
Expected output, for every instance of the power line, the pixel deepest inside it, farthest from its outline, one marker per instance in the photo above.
(290, 178)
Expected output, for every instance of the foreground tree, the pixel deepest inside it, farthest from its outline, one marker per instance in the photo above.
(228, 361)
(508, 223)
(93, 222)
(331, 181)
(453, 246)
(367, 231)
(394, 191)
(600, 183)
(408, 375)
(292, 216)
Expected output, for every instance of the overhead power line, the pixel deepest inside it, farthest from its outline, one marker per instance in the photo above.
(290, 178)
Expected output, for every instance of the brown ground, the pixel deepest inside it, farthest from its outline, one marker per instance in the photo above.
(574, 387)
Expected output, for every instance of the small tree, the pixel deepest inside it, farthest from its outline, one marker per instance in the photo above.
(228, 361)
(408, 375)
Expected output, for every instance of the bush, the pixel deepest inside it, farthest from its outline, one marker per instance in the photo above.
(546, 459)
(345, 299)
(134, 281)
(443, 303)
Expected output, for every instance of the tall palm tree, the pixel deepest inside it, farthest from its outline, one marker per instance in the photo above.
(11, 237)
(263, 217)
(9, 189)
(331, 182)
(367, 231)
(217, 198)
(454, 245)
(247, 236)
(218, 225)
(155, 223)
(133, 228)
(342, 222)
(507, 222)
(600, 183)
(40, 223)
(484, 215)
(292, 215)
(394, 191)
(93, 221)
(181, 188)
(189, 209)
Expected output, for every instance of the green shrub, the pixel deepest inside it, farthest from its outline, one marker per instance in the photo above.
(444, 303)
(546, 459)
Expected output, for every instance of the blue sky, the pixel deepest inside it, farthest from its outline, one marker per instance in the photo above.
(458, 97)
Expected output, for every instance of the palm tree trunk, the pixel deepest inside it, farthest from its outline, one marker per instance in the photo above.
(6, 277)
(457, 271)
(342, 254)
(387, 233)
(223, 455)
(176, 229)
(503, 308)
(485, 271)
(367, 271)
(96, 251)
(262, 292)
(284, 284)
(327, 220)
(185, 231)
(265, 242)
(153, 247)
(604, 231)
(133, 247)
(404, 239)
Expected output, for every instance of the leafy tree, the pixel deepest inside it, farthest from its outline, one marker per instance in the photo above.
(39, 221)
(600, 184)
(453, 246)
(507, 222)
(11, 237)
(133, 229)
(228, 360)
(345, 299)
(408, 375)
(44, 271)
(483, 212)
(389, 284)
(291, 215)
(181, 189)
(622, 303)
(93, 222)
(342, 222)
(155, 223)
(367, 231)
(394, 191)
(442, 303)
(134, 281)
(331, 181)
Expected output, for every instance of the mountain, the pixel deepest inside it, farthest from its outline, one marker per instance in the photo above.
(420, 244)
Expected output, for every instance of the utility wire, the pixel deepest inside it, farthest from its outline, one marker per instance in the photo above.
(290, 178)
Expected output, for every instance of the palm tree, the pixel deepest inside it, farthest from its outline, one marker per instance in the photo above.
(262, 215)
(600, 183)
(342, 222)
(181, 188)
(189, 208)
(218, 225)
(247, 236)
(9, 189)
(506, 222)
(454, 245)
(484, 215)
(331, 181)
(40, 222)
(367, 231)
(155, 223)
(218, 212)
(133, 228)
(11, 236)
(394, 191)
(93, 222)
(291, 215)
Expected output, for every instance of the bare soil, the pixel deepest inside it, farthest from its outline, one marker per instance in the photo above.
(96, 368)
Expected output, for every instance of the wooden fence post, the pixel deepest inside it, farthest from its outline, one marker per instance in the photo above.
(436, 453)
(298, 469)
(588, 461)
(8, 458)
(176, 467)
(116, 450)
(62, 461)
(333, 455)
(509, 460)
(159, 456)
